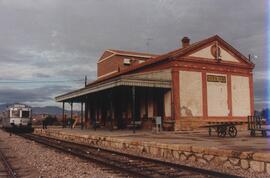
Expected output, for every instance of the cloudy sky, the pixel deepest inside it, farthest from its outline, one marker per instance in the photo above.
(61, 40)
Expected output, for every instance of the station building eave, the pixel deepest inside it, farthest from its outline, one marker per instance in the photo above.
(126, 80)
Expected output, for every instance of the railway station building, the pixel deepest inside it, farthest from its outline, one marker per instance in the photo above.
(206, 81)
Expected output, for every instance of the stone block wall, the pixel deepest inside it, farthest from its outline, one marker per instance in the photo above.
(249, 161)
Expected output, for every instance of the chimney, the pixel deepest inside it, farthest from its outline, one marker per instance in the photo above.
(185, 42)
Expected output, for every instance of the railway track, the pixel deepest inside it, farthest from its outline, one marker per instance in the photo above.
(6, 169)
(127, 164)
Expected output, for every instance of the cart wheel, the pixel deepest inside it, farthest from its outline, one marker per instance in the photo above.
(221, 131)
(252, 133)
(232, 131)
(264, 134)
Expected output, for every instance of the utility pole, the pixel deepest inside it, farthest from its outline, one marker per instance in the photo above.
(85, 80)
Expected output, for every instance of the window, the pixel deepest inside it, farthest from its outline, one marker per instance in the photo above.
(15, 113)
(25, 114)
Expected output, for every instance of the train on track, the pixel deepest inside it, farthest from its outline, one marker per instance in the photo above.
(18, 117)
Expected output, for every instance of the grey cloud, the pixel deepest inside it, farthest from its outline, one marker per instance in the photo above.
(260, 90)
(78, 72)
(11, 95)
(65, 38)
(41, 75)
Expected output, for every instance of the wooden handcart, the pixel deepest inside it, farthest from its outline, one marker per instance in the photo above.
(257, 124)
(223, 128)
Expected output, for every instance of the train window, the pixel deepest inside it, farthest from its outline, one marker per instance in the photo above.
(25, 114)
(15, 113)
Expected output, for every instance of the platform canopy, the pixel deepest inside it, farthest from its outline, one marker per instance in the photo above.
(158, 79)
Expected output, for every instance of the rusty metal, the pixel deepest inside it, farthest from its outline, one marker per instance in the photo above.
(223, 128)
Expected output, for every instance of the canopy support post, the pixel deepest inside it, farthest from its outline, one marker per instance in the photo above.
(133, 107)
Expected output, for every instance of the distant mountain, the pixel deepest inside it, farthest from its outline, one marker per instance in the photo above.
(3, 107)
(52, 110)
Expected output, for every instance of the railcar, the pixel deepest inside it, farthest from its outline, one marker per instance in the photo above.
(18, 116)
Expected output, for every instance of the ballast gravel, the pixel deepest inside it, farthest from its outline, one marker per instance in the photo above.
(50, 163)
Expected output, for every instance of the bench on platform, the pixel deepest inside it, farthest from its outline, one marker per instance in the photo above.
(137, 124)
(96, 125)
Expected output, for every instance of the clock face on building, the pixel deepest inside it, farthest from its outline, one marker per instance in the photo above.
(216, 51)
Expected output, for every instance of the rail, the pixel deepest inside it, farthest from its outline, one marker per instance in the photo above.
(131, 164)
(8, 168)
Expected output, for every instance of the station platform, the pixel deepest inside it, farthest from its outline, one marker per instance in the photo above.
(242, 152)
(243, 141)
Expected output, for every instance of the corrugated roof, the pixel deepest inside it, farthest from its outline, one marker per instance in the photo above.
(141, 80)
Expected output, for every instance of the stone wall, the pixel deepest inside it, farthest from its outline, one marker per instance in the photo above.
(249, 161)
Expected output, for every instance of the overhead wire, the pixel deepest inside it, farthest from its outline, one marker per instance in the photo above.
(35, 81)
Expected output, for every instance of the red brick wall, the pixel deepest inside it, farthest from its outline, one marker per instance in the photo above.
(105, 54)
(115, 63)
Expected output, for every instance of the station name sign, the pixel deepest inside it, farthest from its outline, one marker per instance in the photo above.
(216, 78)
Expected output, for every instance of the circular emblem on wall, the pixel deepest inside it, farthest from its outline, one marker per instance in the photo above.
(215, 51)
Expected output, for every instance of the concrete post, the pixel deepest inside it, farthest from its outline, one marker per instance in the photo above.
(63, 115)
(82, 115)
(133, 107)
(111, 109)
(86, 113)
(71, 112)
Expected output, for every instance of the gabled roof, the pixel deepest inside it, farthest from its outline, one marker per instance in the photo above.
(112, 52)
(176, 54)
(122, 77)
(131, 53)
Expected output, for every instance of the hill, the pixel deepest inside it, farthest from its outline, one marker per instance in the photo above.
(52, 110)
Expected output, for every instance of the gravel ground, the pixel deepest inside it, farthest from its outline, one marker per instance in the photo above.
(39, 161)
(214, 166)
